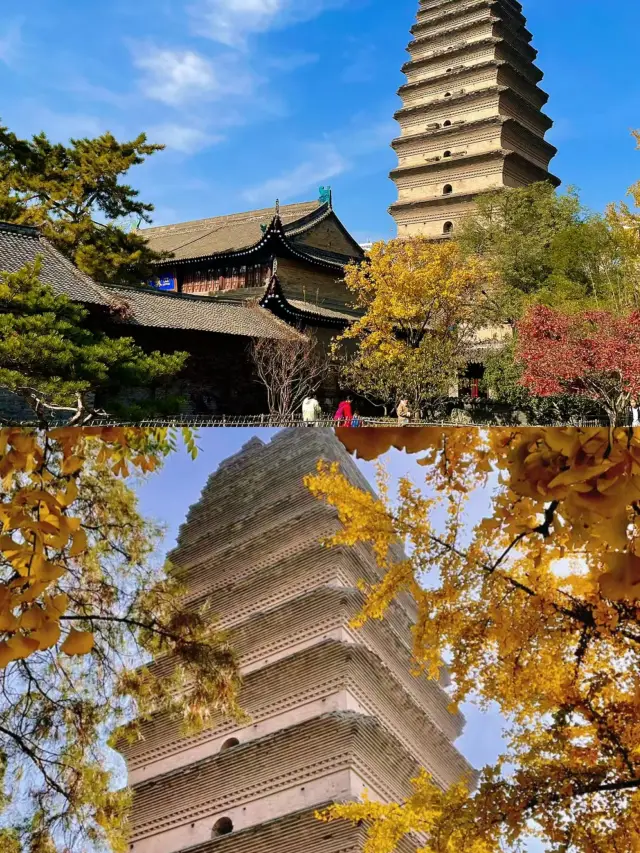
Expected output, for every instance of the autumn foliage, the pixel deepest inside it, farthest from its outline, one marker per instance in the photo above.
(536, 608)
(422, 303)
(593, 354)
(83, 606)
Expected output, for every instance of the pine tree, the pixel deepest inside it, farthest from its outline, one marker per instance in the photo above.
(75, 194)
(51, 356)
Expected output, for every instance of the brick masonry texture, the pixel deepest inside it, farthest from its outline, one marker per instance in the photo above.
(333, 711)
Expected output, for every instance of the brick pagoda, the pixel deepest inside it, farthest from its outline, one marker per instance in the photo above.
(333, 710)
(472, 115)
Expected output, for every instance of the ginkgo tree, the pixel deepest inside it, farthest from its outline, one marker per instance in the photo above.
(421, 305)
(537, 609)
(83, 605)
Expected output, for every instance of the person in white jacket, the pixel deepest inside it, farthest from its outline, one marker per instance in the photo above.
(311, 411)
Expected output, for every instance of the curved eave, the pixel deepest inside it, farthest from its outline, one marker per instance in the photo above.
(404, 141)
(452, 130)
(515, 19)
(519, 44)
(457, 197)
(275, 238)
(449, 31)
(517, 7)
(275, 301)
(450, 163)
(437, 104)
(471, 69)
(451, 15)
(536, 75)
(495, 21)
(434, 202)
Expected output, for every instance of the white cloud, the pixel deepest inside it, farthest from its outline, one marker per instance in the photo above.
(179, 137)
(231, 21)
(174, 76)
(324, 162)
(182, 78)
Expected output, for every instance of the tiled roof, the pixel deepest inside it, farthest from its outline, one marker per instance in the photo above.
(197, 313)
(321, 311)
(20, 245)
(325, 256)
(203, 237)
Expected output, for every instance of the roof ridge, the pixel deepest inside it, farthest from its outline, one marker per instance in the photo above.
(27, 230)
(233, 217)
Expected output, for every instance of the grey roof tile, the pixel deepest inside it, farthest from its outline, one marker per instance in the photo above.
(219, 234)
(20, 245)
(198, 313)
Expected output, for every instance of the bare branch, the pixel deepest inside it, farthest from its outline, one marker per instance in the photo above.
(290, 370)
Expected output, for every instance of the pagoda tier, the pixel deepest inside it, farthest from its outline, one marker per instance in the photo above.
(471, 119)
(331, 675)
(333, 710)
(300, 832)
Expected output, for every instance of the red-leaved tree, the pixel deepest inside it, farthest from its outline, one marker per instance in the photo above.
(593, 354)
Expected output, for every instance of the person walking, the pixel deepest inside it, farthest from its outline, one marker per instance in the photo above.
(635, 413)
(404, 412)
(311, 410)
(356, 420)
(344, 413)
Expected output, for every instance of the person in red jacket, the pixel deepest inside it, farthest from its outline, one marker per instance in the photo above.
(344, 414)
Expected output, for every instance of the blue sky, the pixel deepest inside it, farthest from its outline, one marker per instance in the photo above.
(257, 99)
(167, 496)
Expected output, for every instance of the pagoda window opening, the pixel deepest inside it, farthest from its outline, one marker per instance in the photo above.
(447, 189)
(447, 94)
(447, 154)
(447, 123)
(224, 826)
(447, 228)
(229, 744)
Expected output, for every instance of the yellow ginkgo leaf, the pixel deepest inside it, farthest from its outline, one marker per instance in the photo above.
(8, 545)
(78, 642)
(45, 571)
(56, 605)
(6, 655)
(30, 594)
(21, 646)
(69, 495)
(8, 622)
(79, 543)
(32, 619)
(48, 635)
(72, 465)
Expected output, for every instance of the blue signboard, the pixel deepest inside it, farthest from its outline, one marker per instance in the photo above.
(164, 282)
